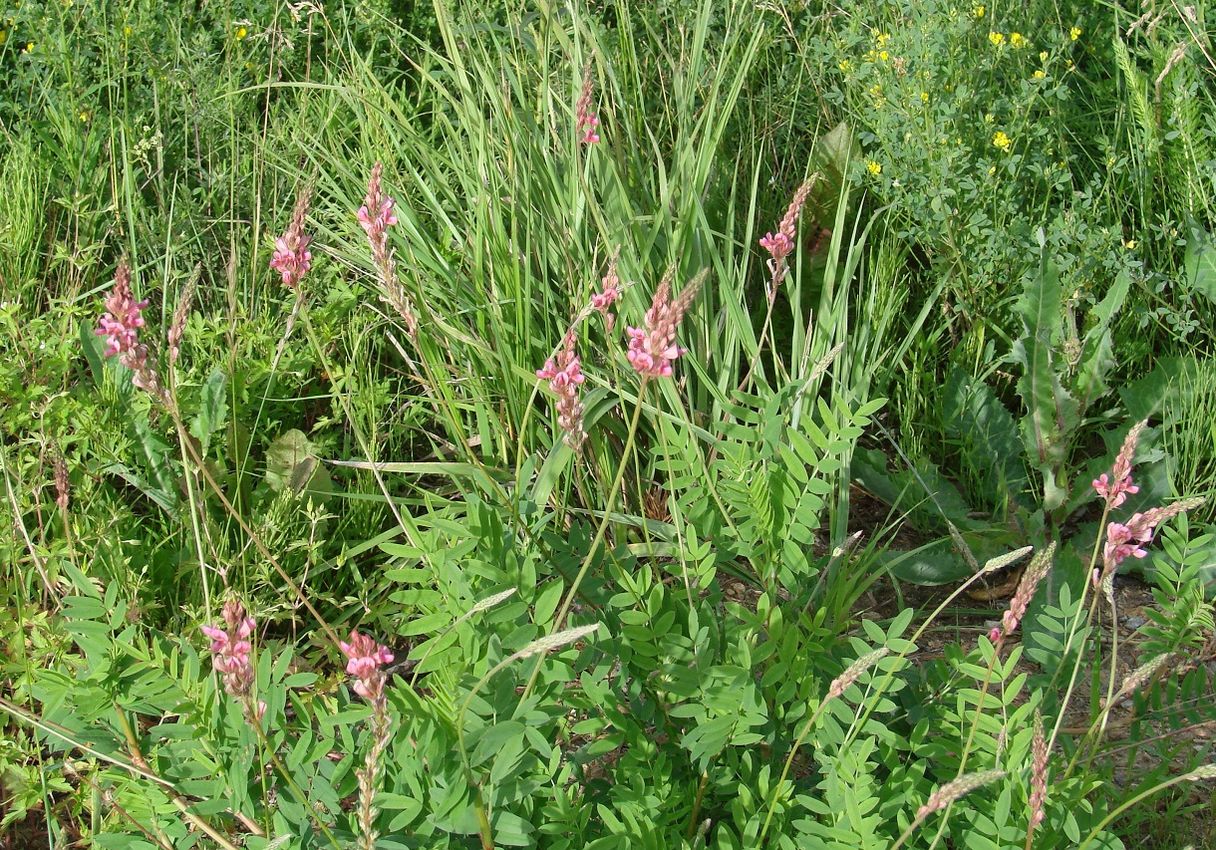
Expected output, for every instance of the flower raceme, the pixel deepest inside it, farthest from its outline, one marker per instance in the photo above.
(610, 292)
(781, 244)
(585, 120)
(291, 258)
(120, 326)
(123, 318)
(231, 647)
(1116, 487)
(564, 372)
(365, 658)
(652, 348)
(1031, 579)
(376, 216)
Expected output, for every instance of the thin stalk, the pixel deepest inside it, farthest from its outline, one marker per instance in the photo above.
(613, 491)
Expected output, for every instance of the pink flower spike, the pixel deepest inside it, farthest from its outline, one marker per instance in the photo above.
(376, 216)
(585, 120)
(565, 374)
(365, 657)
(123, 318)
(231, 649)
(1116, 487)
(291, 258)
(781, 244)
(609, 293)
(652, 349)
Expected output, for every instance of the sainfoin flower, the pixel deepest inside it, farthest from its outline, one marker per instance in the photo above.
(564, 373)
(1034, 574)
(652, 348)
(610, 291)
(584, 118)
(781, 244)
(376, 216)
(231, 647)
(120, 326)
(291, 258)
(1128, 539)
(1116, 487)
(365, 662)
(123, 318)
(365, 658)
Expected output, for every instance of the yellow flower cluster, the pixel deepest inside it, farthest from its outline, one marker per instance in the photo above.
(997, 38)
(978, 12)
(1017, 41)
(1040, 74)
(1074, 33)
(1001, 141)
(874, 168)
(241, 32)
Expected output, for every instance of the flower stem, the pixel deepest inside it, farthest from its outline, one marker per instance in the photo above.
(613, 491)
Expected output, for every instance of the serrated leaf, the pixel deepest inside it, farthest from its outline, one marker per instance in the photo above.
(212, 410)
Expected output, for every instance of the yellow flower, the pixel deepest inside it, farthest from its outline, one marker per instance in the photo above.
(1043, 56)
(1074, 33)
(1016, 40)
(241, 32)
(883, 55)
(85, 116)
(978, 12)
(127, 31)
(1001, 141)
(1130, 244)
(874, 168)
(880, 40)
(1040, 74)
(996, 38)
(991, 170)
(924, 97)
(29, 48)
(845, 66)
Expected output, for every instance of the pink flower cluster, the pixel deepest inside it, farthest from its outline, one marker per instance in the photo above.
(120, 326)
(376, 216)
(1127, 540)
(610, 291)
(1116, 487)
(365, 659)
(653, 349)
(584, 118)
(291, 258)
(230, 648)
(123, 318)
(1031, 579)
(781, 244)
(564, 374)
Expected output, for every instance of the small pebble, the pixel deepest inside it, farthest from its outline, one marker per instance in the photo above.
(1135, 622)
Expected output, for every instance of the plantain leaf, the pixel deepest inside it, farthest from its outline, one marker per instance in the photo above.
(292, 464)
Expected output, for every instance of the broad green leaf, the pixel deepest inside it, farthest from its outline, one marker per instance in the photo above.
(212, 410)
